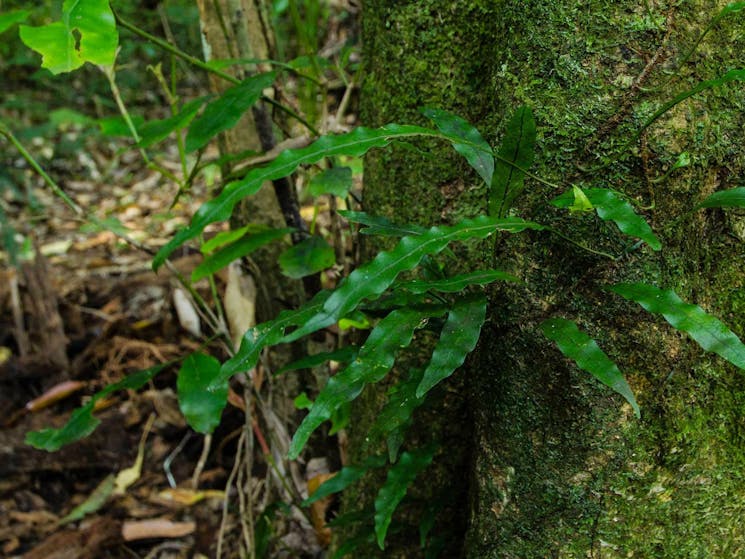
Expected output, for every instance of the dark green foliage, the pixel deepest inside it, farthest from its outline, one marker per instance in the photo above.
(201, 405)
(307, 257)
(515, 156)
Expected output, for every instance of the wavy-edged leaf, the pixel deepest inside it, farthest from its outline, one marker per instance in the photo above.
(309, 256)
(732, 198)
(473, 147)
(199, 401)
(86, 33)
(584, 351)
(336, 181)
(382, 226)
(375, 359)
(708, 331)
(342, 355)
(155, 131)
(224, 112)
(371, 279)
(611, 206)
(400, 477)
(9, 19)
(457, 339)
(82, 422)
(456, 283)
(344, 478)
(515, 156)
(236, 250)
(355, 144)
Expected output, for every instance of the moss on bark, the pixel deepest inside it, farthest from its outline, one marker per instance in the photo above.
(559, 467)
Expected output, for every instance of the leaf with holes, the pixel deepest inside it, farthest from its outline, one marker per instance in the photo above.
(238, 249)
(371, 279)
(457, 339)
(344, 478)
(584, 351)
(456, 283)
(708, 331)
(309, 256)
(199, 401)
(86, 33)
(611, 206)
(82, 422)
(224, 112)
(515, 156)
(466, 140)
(355, 144)
(336, 181)
(400, 477)
(373, 362)
(732, 198)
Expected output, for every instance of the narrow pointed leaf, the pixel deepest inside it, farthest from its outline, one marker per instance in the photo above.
(732, 198)
(707, 330)
(396, 414)
(82, 422)
(309, 256)
(371, 279)
(355, 144)
(224, 238)
(373, 362)
(457, 339)
(378, 225)
(400, 477)
(61, 51)
(514, 157)
(584, 351)
(342, 355)
(344, 478)
(456, 283)
(336, 181)
(236, 250)
(9, 19)
(611, 206)
(199, 401)
(466, 140)
(155, 131)
(267, 334)
(224, 112)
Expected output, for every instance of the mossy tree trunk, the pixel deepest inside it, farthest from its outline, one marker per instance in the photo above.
(559, 467)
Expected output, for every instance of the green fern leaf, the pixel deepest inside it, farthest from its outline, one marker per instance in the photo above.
(355, 144)
(466, 140)
(458, 338)
(708, 331)
(201, 407)
(373, 278)
(375, 359)
(400, 476)
(345, 477)
(610, 206)
(732, 198)
(456, 283)
(584, 351)
(514, 158)
(378, 225)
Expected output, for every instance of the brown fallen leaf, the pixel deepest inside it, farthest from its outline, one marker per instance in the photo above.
(55, 394)
(156, 528)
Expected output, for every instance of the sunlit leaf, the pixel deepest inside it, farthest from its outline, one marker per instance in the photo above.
(584, 351)
(707, 330)
(355, 143)
(371, 279)
(473, 147)
(336, 181)
(456, 283)
(374, 360)
(400, 477)
(86, 33)
(344, 478)
(514, 157)
(457, 339)
(155, 131)
(611, 206)
(82, 422)
(199, 401)
(238, 249)
(9, 19)
(308, 257)
(224, 112)
(732, 198)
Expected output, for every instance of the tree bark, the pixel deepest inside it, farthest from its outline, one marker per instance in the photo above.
(558, 466)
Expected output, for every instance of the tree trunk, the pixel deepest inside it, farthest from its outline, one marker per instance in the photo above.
(559, 466)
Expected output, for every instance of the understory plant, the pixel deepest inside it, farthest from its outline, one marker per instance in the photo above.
(399, 295)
